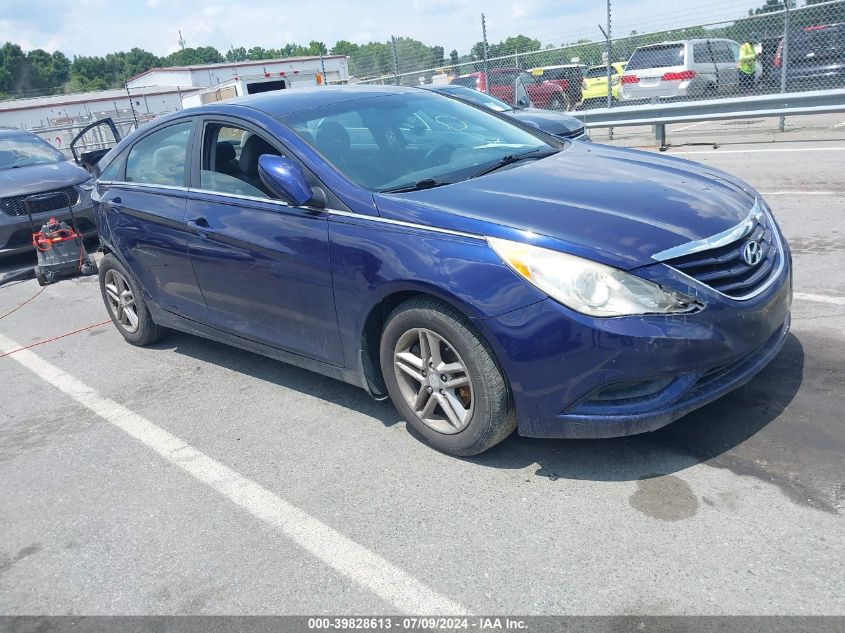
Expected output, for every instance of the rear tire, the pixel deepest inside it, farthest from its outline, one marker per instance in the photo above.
(39, 276)
(126, 305)
(456, 397)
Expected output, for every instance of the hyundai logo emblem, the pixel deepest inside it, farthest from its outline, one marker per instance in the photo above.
(752, 253)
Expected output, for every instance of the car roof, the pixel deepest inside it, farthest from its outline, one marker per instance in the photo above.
(573, 65)
(281, 102)
(690, 41)
(13, 131)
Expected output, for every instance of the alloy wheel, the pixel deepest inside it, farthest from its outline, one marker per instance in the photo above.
(434, 380)
(121, 301)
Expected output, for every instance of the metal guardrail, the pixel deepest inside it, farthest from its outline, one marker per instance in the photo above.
(750, 107)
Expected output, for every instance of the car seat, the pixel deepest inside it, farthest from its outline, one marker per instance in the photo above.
(224, 159)
(253, 149)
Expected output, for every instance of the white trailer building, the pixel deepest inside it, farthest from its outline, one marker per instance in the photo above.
(290, 72)
(158, 91)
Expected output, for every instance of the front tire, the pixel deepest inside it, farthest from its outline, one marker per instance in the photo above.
(443, 378)
(126, 305)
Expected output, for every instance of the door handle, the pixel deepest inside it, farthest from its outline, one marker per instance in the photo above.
(200, 226)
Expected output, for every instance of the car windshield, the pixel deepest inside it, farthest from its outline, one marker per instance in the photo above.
(389, 142)
(477, 97)
(660, 56)
(23, 150)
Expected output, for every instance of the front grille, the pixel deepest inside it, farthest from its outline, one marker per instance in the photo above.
(54, 200)
(725, 270)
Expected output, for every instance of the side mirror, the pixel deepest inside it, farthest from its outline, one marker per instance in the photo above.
(284, 178)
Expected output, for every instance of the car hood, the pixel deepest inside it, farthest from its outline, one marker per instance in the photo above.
(37, 178)
(615, 205)
(548, 120)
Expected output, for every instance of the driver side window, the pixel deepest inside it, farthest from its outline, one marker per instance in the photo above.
(230, 160)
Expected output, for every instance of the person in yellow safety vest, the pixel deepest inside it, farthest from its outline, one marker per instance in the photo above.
(747, 64)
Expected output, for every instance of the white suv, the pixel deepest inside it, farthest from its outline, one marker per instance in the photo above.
(689, 68)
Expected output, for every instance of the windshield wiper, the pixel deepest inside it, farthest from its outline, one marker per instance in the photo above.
(510, 159)
(426, 183)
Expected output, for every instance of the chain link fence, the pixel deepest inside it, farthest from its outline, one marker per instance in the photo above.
(781, 47)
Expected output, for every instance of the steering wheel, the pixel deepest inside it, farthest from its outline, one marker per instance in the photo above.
(438, 155)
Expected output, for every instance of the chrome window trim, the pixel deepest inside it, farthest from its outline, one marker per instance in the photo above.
(715, 241)
(238, 196)
(142, 185)
(336, 212)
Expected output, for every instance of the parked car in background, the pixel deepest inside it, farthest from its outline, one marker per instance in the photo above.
(484, 276)
(594, 85)
(503, 85)
(30, 165)
(568, 76)
(564, 126)
(816, 58)
(684, 69)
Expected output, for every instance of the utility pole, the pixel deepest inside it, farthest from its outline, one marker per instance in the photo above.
(181, 41)
(395, 61)
(609, 58)
(484, 39)
(784, 58)
(609, 52)
(131, 106)
(323, 69)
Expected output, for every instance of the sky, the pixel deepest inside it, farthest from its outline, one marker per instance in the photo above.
(97, 27)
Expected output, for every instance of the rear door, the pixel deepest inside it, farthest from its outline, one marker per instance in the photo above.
(142, 203)
(726, 65)
(263, 266)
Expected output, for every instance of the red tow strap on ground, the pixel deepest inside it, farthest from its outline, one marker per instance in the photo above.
(49, 340)
(56, 338)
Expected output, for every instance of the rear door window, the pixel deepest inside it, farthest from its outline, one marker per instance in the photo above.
(722, 52)
(661, 56)
(701, 53)
(159, 159)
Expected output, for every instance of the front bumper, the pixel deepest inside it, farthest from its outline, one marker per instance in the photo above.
(16, 230)
(657, 368)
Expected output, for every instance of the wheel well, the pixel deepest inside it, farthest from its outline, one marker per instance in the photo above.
(371, 335)
(371, 338)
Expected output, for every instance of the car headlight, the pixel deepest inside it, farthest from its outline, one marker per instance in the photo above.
(587, 286)
(88, 185)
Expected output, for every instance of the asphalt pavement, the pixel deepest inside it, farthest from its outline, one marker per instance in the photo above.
(193, 478)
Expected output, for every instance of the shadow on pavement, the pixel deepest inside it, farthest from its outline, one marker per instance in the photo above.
(700, 436)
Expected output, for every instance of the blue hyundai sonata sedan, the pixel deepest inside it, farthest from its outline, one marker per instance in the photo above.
(482, 275)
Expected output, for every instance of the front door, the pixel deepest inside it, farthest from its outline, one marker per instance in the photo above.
(263, 266)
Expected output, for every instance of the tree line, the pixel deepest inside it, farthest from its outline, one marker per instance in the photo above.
(39, 72)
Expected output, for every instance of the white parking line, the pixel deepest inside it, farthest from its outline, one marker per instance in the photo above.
(689, 127)
(839, 301)
(803, 193)
(760, 151)
(354, 561)
(840, 124)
